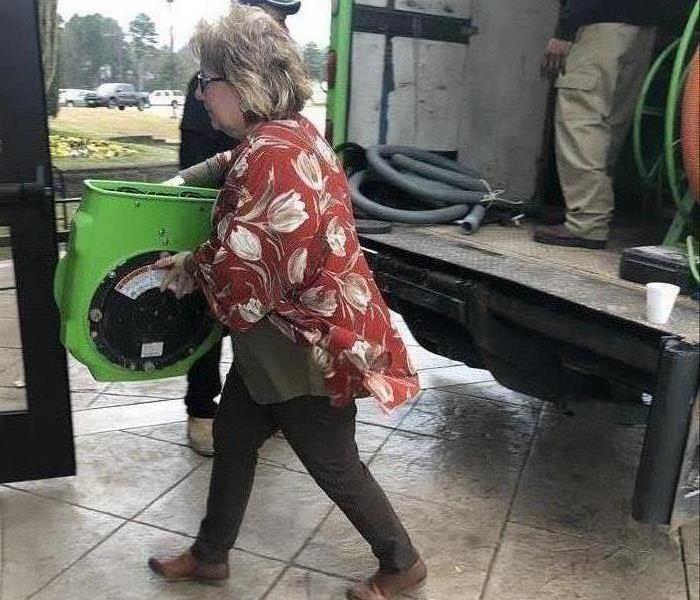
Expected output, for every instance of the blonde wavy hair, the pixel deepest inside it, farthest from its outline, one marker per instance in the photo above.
(258, 58)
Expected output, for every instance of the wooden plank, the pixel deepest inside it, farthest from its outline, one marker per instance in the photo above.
(504, 99)
(366, 88)
(518, 241)
(403, 117)
(440, 76)
(618, 299)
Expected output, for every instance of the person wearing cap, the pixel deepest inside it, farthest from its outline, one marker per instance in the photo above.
(283, 271)
(199, 141)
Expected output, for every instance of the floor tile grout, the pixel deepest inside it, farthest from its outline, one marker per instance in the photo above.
(685, 564)
(296, 565)
(193, 537)
(506, 519)
(262, 460)
(76, 561)
(454, 366)
(303, 546)
(313, 533)
(131, 431)
(470, 394)
(157, 398)
(570, 534)
(125, 521)
(389, 427)
(149, 400)
(126, 430)
(443, 387)
(202, 462)
(66, 502)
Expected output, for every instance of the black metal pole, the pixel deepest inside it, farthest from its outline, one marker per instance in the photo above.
(667, 430)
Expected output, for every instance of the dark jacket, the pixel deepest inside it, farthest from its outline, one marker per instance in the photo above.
(198, 140)
(577, 13)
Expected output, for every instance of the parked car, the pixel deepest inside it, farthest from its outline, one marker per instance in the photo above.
(117, 95)
(72, 97)
(167, 98)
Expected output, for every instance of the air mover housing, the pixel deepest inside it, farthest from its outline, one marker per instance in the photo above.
(114, 318)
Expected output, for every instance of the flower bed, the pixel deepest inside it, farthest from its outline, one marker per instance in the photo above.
(63, 146)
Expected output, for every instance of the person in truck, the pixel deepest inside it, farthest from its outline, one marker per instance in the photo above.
(198, 143)
(284, 272)
(599, 56)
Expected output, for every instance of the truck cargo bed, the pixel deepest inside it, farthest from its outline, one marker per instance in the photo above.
(555, 323)
(588, 278)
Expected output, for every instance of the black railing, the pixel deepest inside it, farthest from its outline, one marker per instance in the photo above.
(64, 214)
(64, 217)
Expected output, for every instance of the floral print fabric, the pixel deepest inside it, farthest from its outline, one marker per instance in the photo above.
(285, 249)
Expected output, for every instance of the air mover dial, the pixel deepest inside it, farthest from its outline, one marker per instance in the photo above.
(140, 328)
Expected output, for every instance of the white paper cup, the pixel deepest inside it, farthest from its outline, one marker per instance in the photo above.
(660, 300)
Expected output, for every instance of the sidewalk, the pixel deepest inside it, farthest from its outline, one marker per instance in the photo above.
(507, 498)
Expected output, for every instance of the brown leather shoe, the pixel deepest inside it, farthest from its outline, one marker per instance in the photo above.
(385, 586)
(187, 568)
(559, 235)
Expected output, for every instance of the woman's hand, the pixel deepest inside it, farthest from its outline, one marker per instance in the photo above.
(174, 182)
(180, 273)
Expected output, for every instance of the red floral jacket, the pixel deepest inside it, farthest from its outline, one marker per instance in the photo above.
(286, 249)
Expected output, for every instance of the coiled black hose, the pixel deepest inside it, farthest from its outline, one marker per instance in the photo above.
(452, 178)
(387, 213)
(433, 165)
(450, 189)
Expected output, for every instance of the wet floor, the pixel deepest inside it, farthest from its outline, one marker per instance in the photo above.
(505, 497)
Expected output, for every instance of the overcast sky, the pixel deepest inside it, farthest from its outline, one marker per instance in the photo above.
(312, 23)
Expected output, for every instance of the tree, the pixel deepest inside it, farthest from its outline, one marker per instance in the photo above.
(315, 60)
(48, 31)
(92, 50)
(171, 71)
(143, 36)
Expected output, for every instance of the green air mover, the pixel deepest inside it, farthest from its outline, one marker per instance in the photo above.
(114, 318)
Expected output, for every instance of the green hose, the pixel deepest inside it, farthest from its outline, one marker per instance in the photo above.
(674, 93)
(692, 258)
(647, 174)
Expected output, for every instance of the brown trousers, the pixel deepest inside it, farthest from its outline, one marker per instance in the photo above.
(324, 440)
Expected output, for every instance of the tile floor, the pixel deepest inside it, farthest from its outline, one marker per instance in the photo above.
(506, 498)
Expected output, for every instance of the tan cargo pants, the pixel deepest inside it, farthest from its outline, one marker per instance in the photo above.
(595, 104)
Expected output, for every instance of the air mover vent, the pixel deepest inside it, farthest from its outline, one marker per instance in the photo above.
(161, 192)
(140, 328)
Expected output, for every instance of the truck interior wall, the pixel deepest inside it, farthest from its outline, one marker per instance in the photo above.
(422, 80)
(504, 97)
(485, 100)
(366, 88)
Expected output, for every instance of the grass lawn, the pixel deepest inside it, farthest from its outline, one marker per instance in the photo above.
(103, 123)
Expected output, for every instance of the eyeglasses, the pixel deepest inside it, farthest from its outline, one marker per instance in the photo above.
(204, 81)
